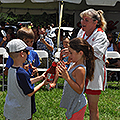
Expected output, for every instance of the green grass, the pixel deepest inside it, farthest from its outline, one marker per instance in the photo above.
(47, 104)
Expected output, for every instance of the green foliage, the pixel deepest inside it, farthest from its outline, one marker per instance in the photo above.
(47, 104)
(37, 20)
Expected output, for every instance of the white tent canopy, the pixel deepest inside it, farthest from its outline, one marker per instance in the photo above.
(39, 1)
(52, 6)
(102, 2)
(89, 2)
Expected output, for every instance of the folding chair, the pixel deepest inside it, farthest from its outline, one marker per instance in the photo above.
(113, 55)
(43, 54)
(4, 55)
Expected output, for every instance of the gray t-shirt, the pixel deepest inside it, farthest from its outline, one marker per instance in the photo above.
(17, 105)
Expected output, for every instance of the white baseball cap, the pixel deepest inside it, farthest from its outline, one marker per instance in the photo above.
(17, 45)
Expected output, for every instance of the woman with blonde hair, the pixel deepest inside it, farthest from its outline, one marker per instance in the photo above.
(93, 27)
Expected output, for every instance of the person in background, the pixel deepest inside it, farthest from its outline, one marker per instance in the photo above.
(9, 37)
(45, 43)
(19, 91)
(32, 61)
(52, 26)
(74, 33)
(48, 29)
(93, 27)
(111, 38)
(112, 62)
(36, 32)
(3, 35)
(10, 30)
(66, 60)
(73, 98)
(111, 47)
(27, 35)
(55, 40)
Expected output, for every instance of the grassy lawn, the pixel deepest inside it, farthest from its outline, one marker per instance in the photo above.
(47, 104)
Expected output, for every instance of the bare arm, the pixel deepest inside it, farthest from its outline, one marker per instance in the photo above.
(53, 84)
(48, 46)
(79, 76)
(6, 71)
(38, 87)
(36, 79)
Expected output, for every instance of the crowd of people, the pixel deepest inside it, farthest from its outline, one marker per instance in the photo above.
(82, 64)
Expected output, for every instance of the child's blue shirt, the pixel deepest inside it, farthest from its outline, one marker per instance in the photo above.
(31, 58)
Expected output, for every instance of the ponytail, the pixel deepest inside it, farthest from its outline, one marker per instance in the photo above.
(79, 44)
(90, 63)
(103, 23)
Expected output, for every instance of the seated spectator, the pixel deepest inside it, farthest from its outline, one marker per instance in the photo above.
(45, 43)
(111, 47)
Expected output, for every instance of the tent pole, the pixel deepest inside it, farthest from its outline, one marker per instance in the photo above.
(60, 18)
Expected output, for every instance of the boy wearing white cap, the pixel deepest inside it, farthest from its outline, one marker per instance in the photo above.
(18, 100)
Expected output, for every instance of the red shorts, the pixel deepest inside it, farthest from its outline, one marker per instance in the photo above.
(78, 115)
(91, 92)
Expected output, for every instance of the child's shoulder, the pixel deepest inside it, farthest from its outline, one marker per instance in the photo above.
(17, 69)
(32, 52)
(22, 73)
(21, 70)
(80, 69)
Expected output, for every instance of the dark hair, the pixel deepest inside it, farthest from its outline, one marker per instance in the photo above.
(2, 23)
(25, 33)
(36, 30)
(79, 44)
(113, 35)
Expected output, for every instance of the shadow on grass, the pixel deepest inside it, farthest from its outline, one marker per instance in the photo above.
(114, 86)
(58, 87)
